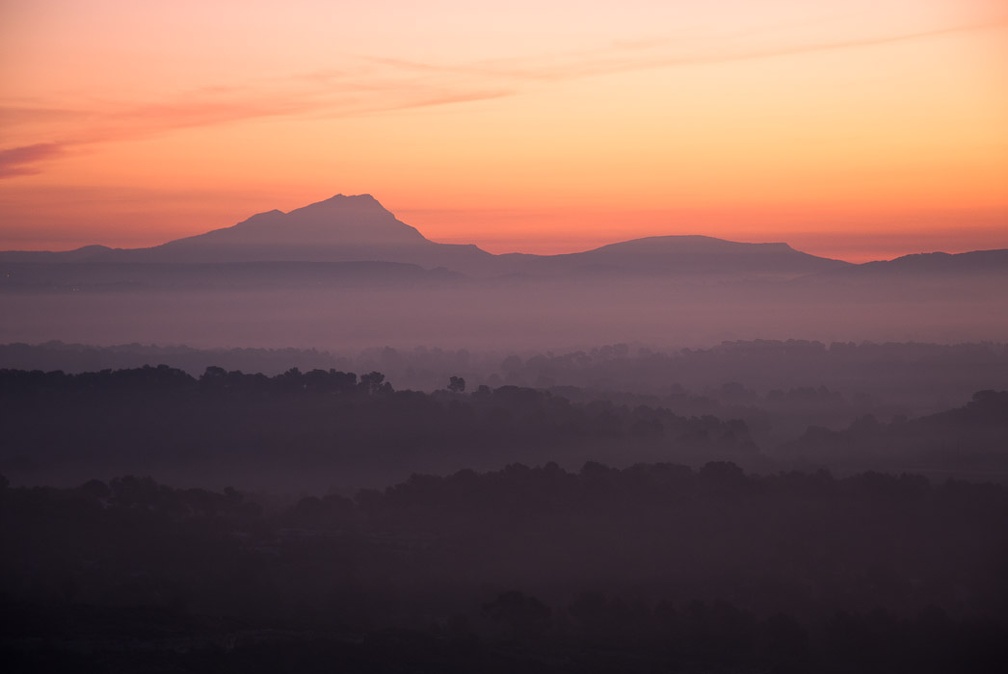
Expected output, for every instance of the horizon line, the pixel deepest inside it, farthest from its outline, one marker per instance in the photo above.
(371, 197)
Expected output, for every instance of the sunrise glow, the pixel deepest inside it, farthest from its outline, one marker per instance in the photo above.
(857, 129)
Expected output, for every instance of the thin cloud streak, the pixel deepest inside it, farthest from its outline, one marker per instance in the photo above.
(19, 161)
(388, 84)
(345, 102)
(589, 64)
(211, 106)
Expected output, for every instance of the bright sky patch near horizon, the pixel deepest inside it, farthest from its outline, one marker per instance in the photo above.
(855, 129)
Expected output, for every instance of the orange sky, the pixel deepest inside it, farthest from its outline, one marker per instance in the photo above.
(858, 129)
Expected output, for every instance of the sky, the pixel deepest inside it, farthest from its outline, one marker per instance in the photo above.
(857, 129)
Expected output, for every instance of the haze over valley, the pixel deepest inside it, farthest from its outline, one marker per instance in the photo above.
(635, 337)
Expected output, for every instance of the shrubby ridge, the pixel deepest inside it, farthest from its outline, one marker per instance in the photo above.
(263, 430)
(331, 428)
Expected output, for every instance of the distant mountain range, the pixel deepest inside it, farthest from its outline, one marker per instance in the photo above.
(353, 237)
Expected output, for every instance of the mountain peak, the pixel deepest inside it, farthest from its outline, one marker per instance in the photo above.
(349, 200)
(342, 206)
(340, 228)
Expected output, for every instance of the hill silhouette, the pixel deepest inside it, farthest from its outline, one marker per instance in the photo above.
(82, 254)
(339, 229)
(359, 229)
(973, 262)
(699, 255)
(347, 271)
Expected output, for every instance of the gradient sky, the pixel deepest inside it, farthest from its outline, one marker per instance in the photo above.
(859, 129)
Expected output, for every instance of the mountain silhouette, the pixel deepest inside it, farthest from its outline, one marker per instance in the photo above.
(963, 276)
(49, 257)
(699, 255)
(347, 272)
(340, 229)
(973, 262)
(358, 229)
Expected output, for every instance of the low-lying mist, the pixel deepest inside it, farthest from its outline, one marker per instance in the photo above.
(517, 315)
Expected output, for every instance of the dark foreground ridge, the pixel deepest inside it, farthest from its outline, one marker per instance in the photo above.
(656, 567)
(366, 529)
(298, 428)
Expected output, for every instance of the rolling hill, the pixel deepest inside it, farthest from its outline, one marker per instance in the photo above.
(358, 229)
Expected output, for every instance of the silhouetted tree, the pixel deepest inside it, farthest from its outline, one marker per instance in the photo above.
(374, 382)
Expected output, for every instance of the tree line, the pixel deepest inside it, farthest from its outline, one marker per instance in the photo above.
(655, 566)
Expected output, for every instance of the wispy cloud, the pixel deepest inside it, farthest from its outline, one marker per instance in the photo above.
(19, 161)
(316, 95)
(658, 52)
(366, 84)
